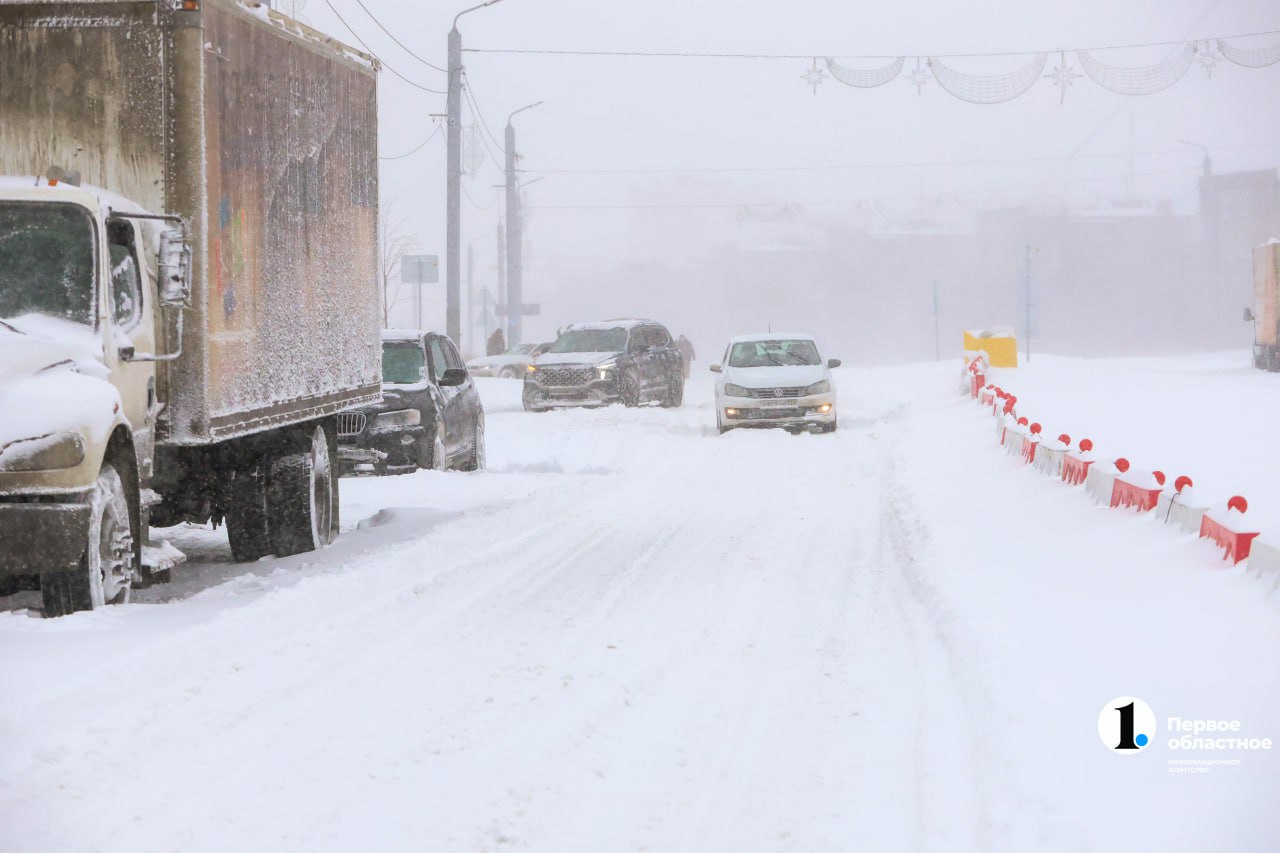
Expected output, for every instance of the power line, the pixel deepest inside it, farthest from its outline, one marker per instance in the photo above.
(859, 166)
(469, 91)
(376, 57)
(846, 202)
(396, 40)
(477, 205)
(416, 148)
(714, 55)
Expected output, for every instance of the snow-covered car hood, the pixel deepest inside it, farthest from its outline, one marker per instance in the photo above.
(787, 376)
(583, 358)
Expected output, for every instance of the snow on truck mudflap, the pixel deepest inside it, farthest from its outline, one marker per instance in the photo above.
(188, 293)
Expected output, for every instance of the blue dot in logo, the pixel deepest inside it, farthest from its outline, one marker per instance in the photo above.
(1141, 740)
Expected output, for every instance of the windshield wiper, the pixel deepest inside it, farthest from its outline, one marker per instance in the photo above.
(11, 327)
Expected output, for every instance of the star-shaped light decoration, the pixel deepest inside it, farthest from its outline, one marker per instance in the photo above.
(918, 77)
(1207, 57)
(814, 76)
(1062, 76)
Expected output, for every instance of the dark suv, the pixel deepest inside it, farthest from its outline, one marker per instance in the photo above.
(430, 415)
(592, 364)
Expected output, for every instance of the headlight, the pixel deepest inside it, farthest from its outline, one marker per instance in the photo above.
(736, 390)
(607, 368)
(532, 368)
(43, 453)
(822, 387)
(404, 417)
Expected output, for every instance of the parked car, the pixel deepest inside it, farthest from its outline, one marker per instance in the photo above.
(430, 414)
(511, 364)
(775, 380)
(593, 364)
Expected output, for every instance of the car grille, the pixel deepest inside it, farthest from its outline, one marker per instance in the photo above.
(774, 393)
(350, 423)
(564, 376)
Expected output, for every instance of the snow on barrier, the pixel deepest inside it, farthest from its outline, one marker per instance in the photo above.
(1228, 528)
(1139, 490)
(1075, 466)
(1118, 485)
(1181, 506)
(1050, 454)
(1264, 560)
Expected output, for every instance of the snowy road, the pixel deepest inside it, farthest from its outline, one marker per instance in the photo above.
(633, 634)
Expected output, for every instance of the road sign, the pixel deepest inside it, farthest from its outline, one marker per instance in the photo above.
(529, 309)
(420, 269)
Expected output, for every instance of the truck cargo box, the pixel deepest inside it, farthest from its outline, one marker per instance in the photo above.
(262, 134)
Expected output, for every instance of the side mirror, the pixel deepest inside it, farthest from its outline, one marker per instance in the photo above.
(716, 368)
(453, 377)
(1248, 315)
(175, 267)
(833, 362)
(125, 353)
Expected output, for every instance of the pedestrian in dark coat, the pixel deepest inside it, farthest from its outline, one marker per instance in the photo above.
(497, 343)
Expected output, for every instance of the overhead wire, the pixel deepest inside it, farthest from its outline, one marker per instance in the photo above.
(716, 55)
(403, 46)
(381, 61)
(415, 148)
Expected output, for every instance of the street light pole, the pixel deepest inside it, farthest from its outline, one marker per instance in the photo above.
(1206, 165)
(515, 239)
(453, 182)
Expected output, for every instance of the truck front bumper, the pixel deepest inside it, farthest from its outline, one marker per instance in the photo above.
(42, 537)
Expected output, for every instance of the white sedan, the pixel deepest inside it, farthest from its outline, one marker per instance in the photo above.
(511, 364)
(775, 380)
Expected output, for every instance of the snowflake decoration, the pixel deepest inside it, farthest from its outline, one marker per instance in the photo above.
(1207, 57)
(918, 77)
(1062, 76)
(814, 76)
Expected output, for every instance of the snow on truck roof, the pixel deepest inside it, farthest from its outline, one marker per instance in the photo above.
(770, 336)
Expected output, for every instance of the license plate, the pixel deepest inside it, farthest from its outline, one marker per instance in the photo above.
(777, 404)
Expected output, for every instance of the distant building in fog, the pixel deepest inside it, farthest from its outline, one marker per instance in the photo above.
(1238, 211)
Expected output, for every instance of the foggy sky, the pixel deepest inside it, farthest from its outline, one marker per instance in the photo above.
(614, 113)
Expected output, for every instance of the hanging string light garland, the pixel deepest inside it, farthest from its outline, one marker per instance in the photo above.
(998, 88)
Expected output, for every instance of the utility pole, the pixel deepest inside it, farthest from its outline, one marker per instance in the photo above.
(471, 303)
(1029, 248)
(453, 192)
(515, 237)
(502, 268)
(937, 339)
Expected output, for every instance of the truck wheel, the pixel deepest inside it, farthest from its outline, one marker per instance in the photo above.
(248, 526)
(105, 574)
(475, 457)
(675, 393)
(302, 497)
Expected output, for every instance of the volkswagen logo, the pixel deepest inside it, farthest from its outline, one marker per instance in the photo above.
(777, 392)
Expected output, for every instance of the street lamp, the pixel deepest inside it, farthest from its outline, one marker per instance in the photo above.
(453, 194)
(1207, 163)
(515, 297)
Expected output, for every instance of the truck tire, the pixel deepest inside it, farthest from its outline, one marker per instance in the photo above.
(302, 498)
(248, 526)
(105, 573)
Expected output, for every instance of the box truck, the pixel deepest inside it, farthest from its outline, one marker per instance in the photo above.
(188, 283)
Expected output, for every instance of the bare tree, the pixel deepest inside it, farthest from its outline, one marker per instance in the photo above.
(395, 240)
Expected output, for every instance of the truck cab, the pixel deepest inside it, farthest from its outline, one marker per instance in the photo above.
(83, 323)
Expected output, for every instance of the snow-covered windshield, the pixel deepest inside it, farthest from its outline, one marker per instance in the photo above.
(46, 261)
(591, 340)
(402, 362)
(773, 353)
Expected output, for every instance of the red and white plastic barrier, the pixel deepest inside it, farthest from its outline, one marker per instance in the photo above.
(1118, 485)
